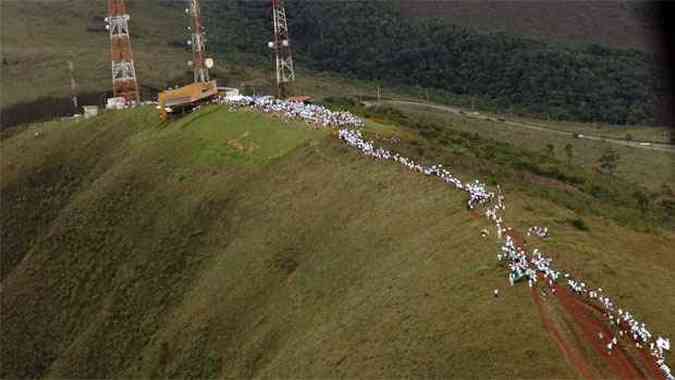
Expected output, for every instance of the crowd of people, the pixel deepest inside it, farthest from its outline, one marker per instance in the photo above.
(315, 115)
(532, 266)
(535, 266)
(539, 231)
(477, 191)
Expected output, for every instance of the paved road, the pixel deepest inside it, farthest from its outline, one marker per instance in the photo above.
(457, 111)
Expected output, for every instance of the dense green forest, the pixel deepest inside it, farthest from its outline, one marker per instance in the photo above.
(507, 73)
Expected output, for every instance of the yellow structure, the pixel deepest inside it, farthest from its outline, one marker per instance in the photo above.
(185, 97)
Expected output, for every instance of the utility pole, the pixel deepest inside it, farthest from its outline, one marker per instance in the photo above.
(200, 64)
(123, 70)
(73, 85)
(282, 49)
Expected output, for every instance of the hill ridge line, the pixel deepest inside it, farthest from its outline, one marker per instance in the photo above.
(513, 254)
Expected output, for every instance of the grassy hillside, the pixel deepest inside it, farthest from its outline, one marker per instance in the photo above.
(507, 72)
(651, 169)
(40, 36)
(233, 245)
(637, 193)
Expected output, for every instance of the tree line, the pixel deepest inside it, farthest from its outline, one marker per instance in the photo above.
(370, 40)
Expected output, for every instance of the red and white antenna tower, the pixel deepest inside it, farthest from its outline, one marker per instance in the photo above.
(282, 49)
(123, 70)
(200, 64)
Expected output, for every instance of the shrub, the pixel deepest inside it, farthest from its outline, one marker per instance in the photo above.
(579, 224)
(642, 200)
(609, 161)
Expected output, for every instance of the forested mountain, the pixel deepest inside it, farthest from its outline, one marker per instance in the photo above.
(617, 23)
(508, 73)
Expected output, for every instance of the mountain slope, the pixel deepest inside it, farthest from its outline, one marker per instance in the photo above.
(35, 53)
(231, 245)
(227, 244)
(507, 73)
(39, 37)
(618, 24)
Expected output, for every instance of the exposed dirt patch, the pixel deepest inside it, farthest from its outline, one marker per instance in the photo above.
(573, 356)
(550, 183)
(590, 329)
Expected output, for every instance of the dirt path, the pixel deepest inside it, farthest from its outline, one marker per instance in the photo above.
(591, 328)
(571, 354)
(458, 111)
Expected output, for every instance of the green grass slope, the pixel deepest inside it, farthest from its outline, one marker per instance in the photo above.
(651, 169)
(235, 245)
(39, 37)
(226, 244)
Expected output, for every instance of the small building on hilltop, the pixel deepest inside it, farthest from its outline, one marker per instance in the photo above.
(90, 111)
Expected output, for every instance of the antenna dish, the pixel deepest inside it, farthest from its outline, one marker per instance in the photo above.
(209, 63)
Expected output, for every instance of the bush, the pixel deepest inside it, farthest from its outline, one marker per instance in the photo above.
(642, 200)
(340, 101)
(579, 224)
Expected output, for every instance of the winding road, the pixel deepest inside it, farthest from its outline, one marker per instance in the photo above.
(457, 111)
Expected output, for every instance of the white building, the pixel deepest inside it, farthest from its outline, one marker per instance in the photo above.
(229, 92)
(90, 111)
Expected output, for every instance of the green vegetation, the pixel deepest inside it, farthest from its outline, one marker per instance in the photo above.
(642, 167)
(234, 245)
(39, 37)
(160, 60)
(648, 134)
(617, 24)
(43, 92)
(569, 153)
(230, 244)
(579, 224)
(496, 152)
(609, 161)
(507, 73)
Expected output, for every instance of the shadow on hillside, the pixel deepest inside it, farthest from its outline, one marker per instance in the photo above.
(49, 108)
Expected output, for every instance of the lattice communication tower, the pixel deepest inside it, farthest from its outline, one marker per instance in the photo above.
(282, 49)
(200, 64)
(123, 70)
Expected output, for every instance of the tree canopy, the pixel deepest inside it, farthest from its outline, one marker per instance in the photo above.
(370, 40)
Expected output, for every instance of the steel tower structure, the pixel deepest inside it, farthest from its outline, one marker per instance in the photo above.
(199, 64)
(123, 70)
(282, 49)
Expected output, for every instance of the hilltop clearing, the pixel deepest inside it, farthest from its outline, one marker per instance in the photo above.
(234, 244)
